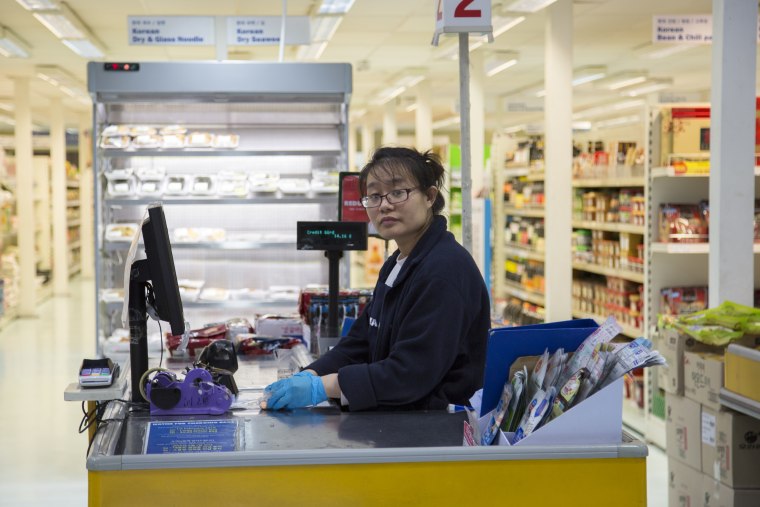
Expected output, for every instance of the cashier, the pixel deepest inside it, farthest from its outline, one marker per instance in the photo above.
(420, 343)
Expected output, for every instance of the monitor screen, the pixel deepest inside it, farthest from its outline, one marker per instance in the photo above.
(162, 274)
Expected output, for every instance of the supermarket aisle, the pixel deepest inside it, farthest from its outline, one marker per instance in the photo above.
(43, 457)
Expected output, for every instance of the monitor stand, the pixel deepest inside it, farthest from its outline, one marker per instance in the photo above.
(138, 325)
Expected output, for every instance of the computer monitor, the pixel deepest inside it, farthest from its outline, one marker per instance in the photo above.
(162, 273)
(153, 281)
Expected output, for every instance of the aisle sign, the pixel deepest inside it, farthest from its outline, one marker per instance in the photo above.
(686, 29)
(265, 30)
(463, 16)
(693, 28)
(171, 30)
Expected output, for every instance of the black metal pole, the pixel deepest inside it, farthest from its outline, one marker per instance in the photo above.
(333, 257)
(138, 328)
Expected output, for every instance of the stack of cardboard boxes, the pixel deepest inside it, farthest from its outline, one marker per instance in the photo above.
(713, 452)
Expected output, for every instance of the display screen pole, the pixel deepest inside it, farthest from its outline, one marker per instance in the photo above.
(333, 288)
(138, 327)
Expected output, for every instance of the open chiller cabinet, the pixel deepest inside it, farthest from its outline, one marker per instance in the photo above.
(237, 153)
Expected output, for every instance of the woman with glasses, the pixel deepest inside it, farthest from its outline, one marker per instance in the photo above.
(420, 343)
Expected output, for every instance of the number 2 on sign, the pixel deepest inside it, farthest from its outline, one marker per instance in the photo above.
(463, 12)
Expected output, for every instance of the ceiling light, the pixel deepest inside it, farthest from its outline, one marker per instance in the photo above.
(335, 6)
(38, 5)
(606, 109)
(11, 46)
(623, 79)
(387, 94)
(312, 51)
(650, 51)
(84, 48)
(412, 107)
(6, 107)
(503, 23)
(500, 25)
(588, 74)
(61, 26)
(650, 86)
(499, 61)
(62, 80)
(618, 122)
(401, 83)
(323, 27)
(528, 5)
(446, 122)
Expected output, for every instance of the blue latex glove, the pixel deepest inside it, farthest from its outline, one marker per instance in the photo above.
(300, 390)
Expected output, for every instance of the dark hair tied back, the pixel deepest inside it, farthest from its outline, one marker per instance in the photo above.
(423, 168)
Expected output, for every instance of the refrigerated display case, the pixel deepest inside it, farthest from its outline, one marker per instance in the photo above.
(238, 152)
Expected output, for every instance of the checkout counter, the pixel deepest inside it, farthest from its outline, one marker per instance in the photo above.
(325, 456)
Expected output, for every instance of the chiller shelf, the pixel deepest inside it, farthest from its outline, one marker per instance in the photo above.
(609, 182)
(115, 246)
(521, 251)
(304, 199)
(524, 212)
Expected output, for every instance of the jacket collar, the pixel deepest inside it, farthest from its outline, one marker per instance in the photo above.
(428, 240)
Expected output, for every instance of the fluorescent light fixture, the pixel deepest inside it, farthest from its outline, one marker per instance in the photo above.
(410, 80)
(400, 84)
(650, 51)
(623, 79)
(11, 46)
(323, 27)
(8, 121)
(358, 113)
(412, 107)
(62, 80)
(84, 48)
(581, 126)
(588, 74)
(499, 61)
(618, 122)
(61, 25)
(529, 6)
(500, 25)
(514, 129)
(387, 94)
(446, 122)
(650, 86)
(312, 51)
(335, 6)
(607, 109)
(38, 5)
(6, 107)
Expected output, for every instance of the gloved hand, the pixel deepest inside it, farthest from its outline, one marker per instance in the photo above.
(300, 390)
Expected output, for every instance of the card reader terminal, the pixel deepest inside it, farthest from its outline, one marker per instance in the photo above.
(97, 372)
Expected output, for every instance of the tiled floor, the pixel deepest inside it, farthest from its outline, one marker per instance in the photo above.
(42, 457)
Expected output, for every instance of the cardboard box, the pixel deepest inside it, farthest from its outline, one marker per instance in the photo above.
(731, 448)
(683, 430)
(691, 130)
(717, 494)
(672, 346)
(685, 488)
(703, 378)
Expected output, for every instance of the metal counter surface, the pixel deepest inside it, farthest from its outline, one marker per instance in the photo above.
(320, 435)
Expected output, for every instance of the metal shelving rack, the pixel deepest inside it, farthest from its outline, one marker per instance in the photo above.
(291, 119)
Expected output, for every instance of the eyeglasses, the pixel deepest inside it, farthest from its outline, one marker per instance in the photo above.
(393, 197)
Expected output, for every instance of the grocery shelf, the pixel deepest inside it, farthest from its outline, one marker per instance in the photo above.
(609, 182)
(73, 223)
(75, 269)
(72, 183)
(688, 248)
(44, 292)
(601, 270)
(609, 227)
(191, 200)
(670, 172)
(9, 315)
(524, 212)
(75, 244)
(72, 204)
(655, 430)
(525, 252)
(739, 403)
(115, 246)
(524, 294)
(630, 331)
(634, 417)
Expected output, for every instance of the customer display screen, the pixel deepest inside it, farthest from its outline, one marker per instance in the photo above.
(332, 236)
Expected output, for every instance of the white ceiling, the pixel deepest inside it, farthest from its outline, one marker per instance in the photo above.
(380, 38)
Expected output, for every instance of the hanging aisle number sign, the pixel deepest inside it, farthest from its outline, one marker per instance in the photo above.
(463, 16)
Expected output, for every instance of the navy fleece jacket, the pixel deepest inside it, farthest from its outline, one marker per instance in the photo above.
(428, 348)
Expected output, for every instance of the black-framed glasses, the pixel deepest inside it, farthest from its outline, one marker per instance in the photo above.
(393, 197)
